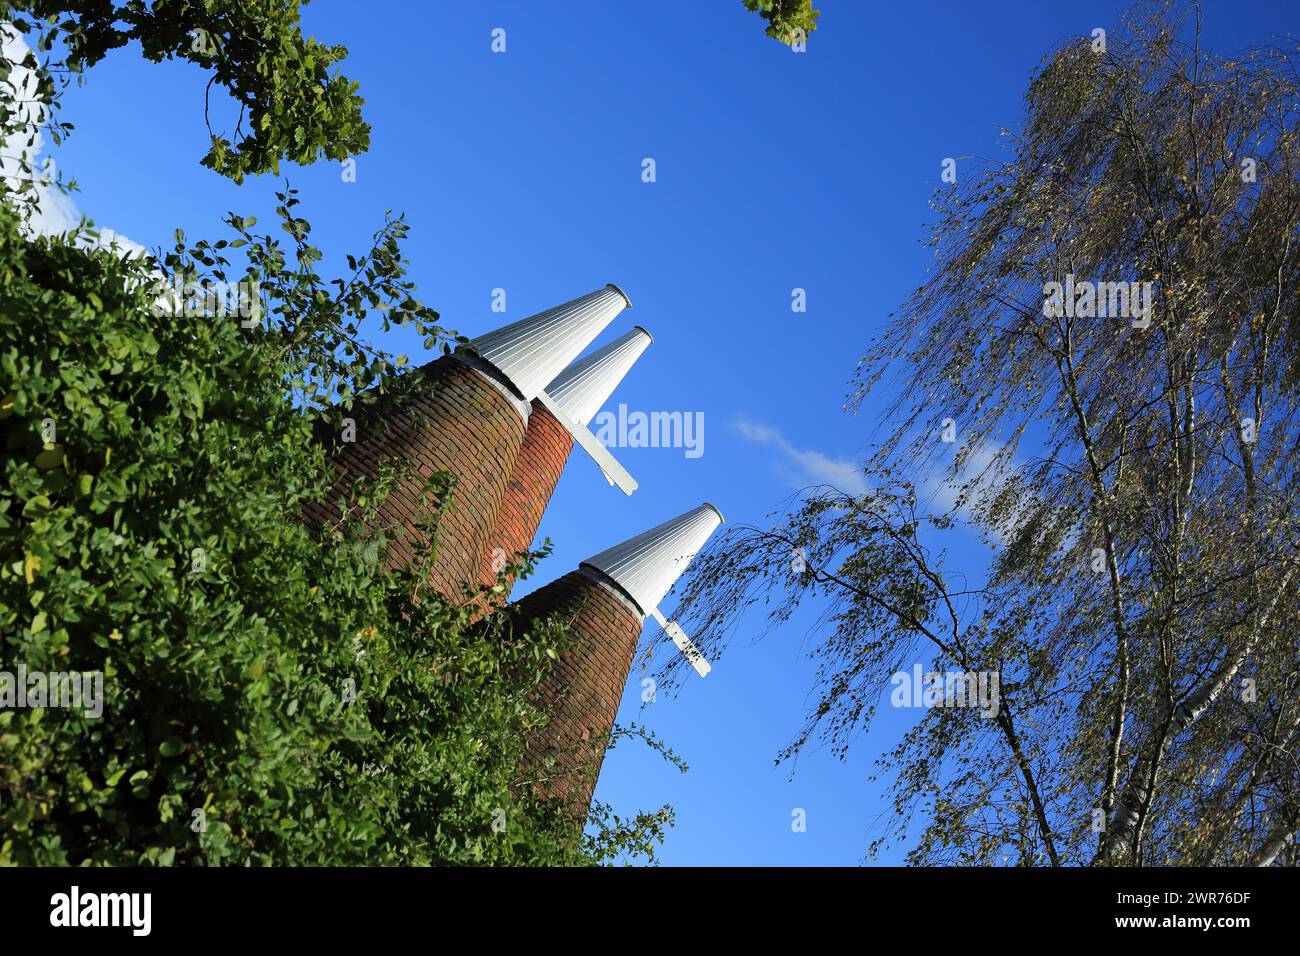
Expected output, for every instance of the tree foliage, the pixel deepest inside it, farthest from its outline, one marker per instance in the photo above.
(1136, 481)
(787, 20)
(273, 686)
(296, 105)
(272, 692)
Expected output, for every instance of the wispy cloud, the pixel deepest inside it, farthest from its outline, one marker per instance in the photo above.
(979, 478)
(804, 466)
(984, 474)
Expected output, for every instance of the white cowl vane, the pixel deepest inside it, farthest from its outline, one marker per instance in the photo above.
(646, 567)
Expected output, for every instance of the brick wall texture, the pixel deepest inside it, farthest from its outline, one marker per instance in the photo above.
(585, 685)
(505, 475)
(461, 424)
(537, 471)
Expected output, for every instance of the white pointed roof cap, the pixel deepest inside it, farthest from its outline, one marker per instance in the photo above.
(583, 387)
(532, 351)
(648, 566)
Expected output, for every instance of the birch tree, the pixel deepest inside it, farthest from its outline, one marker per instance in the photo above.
(1110, 328)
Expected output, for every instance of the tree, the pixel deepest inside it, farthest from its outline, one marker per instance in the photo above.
(1134, 473)
(270, 694)
(297, 108)
(787, 20)
(250, 689)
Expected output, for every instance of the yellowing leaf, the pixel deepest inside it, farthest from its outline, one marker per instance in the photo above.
(31, 564)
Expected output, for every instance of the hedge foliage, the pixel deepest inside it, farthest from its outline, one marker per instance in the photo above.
(153, 470)
(272, 694)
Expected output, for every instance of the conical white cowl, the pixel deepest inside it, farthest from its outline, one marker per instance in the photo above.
(533, 351)
(583, 387)
(647, 566)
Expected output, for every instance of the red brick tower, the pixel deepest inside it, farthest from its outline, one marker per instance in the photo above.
(605, 602)
(469, 422)
(580, 391)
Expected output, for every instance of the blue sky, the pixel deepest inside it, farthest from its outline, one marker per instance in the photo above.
(775, 170)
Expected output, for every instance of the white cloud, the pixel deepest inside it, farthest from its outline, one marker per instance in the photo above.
(21, 160)
(984, 474)
(804, 467)
(943, 490)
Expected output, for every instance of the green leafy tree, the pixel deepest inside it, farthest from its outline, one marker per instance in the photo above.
(293, 104)
(787, 20)
(271, 692)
